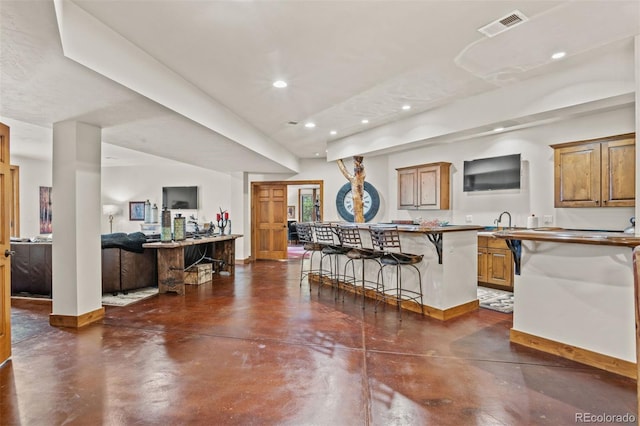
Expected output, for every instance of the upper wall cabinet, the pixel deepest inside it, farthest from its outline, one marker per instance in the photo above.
(595, 173)
(424, 187)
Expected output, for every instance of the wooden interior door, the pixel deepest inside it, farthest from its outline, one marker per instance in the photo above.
(270, 221)
(5, 246)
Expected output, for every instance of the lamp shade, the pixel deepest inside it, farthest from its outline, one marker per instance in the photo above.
(110, 210)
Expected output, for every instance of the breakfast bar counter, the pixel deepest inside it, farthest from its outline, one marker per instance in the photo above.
(574, 296)
(448, 268)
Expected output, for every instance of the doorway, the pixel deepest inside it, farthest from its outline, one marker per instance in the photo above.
(273, 216)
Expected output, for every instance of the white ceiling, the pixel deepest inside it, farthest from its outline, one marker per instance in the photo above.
(344, 61)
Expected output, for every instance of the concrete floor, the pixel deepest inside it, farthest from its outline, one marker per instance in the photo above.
(259, 350)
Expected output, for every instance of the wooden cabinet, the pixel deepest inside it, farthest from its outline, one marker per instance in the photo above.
(495, 263)
(595, 173)
(424, 187)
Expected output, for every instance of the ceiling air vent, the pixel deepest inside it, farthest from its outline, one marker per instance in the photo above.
(503, 24)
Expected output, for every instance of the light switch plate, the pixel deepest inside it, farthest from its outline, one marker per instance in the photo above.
(468, 218)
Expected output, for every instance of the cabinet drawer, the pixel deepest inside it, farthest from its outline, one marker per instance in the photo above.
(497, 243)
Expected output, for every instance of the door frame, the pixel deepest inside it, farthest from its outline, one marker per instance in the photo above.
(256, 185)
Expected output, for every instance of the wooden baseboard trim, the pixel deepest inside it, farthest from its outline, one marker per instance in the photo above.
(244, 261)
(449, 313)
(409, 305)
(76, 321)
(574, 353)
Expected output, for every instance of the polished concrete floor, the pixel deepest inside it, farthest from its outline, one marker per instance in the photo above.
(259, 350)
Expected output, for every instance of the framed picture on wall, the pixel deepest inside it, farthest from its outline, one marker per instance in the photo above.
(136, 210)
(45, 210)
(291, 212)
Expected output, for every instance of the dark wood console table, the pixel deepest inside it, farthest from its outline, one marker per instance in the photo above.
(171, 258)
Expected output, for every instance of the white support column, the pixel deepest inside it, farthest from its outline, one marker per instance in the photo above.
(76, 257)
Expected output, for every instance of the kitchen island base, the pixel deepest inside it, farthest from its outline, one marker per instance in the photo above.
(574, 297)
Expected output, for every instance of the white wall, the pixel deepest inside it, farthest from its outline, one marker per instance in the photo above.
(123, 184)
(320, 169)
(536, 194)
(33, 175)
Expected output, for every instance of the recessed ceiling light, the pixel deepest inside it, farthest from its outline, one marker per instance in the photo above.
(365, 121)
(558, 55)
(498, 129)
(309, 125)
(406, 107)
(280, 84)
(333, 133)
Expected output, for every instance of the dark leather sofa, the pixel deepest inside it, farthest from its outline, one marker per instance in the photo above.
(125, 265)
(31, 268)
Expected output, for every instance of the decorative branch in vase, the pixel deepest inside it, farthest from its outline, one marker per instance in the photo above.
(223, 219)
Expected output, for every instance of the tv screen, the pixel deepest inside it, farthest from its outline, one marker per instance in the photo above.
(180, 197)
(493, 173)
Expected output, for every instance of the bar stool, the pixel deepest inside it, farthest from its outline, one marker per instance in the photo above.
(326, 236)
(386, 239)
(350, 237)
(310, 246)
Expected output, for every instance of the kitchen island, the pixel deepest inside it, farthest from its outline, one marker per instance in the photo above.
(448, 268)
(574, 296)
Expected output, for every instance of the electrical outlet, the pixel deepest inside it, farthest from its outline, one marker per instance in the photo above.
(468, 218)
(548, 219)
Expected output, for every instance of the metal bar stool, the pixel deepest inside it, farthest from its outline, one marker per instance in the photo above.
(327, 236)
(386, 239)
(310, 246)
(350, 237)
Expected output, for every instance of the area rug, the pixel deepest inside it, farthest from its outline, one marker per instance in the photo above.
(132, 296)
(497, 300)
(295, 252)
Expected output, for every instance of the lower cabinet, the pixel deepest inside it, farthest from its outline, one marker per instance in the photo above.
(495, 263)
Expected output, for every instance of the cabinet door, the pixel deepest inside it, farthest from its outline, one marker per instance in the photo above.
(429, 187)
(433, 186)
(577, 175)
(482, 265)
(407, 189)
(500, 267)
(618, 173)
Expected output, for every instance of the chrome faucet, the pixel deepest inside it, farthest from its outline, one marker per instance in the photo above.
(499, 219)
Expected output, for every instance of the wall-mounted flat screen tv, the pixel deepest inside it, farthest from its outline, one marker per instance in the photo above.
(486, 174)
(180, 197)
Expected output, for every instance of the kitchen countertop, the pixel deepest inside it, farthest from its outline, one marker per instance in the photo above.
(426, 229)
(560, 235)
